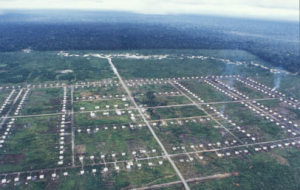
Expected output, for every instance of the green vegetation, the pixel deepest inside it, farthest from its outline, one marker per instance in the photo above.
(90, 105)
(258, 171)
(156, 100)
(282, 108)
(124, 179)
(146, 176)
(205, 91)
(3, 95)
(105, 90)
(136, 68)
(114, 141)
(121, 136)
(189, 134)
(36, 67)
(177, 66)
(31, 146)
(42, 101)
(251, 93)
(152, 87)
(288, 84)
(84, 119)
(254, 124)
(174, 112)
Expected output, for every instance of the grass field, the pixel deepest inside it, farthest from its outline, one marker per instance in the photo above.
(174, 112)
(36, 67)
(32, 145)
(191, 133)
(42, 101)
(263, 129)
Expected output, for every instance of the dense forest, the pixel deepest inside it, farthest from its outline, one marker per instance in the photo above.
(274, 42)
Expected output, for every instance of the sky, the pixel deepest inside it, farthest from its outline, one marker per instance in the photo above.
(265, 9)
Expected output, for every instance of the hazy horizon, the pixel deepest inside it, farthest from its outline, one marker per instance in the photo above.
(266, 9)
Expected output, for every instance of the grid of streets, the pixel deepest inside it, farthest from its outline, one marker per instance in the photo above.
(70, 125)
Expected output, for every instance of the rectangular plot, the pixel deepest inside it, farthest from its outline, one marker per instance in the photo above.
(251, 170)
(98, 92)
(250, 92)
(156, 88)
(157, 100)
(101, 118)
(104, 134)
(145, 176)
(42, 101)
(174, 112)
(4, 93)
(32, 145)
(170, 67)
(262, 128)
(205, 91)
(287, 84)
(209, 164)
(191, 133)
(6, 99)
(95, 178)
(101, 105)
(282, 109)
(117, 142)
